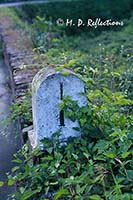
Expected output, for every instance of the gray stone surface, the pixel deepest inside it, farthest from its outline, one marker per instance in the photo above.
(20, 58)
(49, 86)
(9, 142)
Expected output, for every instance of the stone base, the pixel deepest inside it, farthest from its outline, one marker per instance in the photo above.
(28, 135)
(31, 139)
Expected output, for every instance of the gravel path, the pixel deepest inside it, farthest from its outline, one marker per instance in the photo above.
(9, 143)
(20, 3)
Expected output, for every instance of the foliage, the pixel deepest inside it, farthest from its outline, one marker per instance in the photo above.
(22, 111)
(115, 10)
(41, 33)
(106, 63)
(97, 165)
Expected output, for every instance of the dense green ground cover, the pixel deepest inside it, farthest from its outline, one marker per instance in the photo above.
(99, 164)
(75, 9)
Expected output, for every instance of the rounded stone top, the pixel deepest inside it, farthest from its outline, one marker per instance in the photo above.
(47, 72)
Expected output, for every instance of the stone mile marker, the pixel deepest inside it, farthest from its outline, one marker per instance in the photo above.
(48, 88)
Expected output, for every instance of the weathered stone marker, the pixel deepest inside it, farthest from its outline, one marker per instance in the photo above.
(48, 88)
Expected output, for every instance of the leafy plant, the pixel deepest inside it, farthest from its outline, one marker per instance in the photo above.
(41, 33)
(97, 165)
(22, 111)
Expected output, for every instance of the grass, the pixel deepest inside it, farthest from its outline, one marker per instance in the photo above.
(9, 14)
(108, 55)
